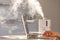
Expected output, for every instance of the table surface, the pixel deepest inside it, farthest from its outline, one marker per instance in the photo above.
(21, 37)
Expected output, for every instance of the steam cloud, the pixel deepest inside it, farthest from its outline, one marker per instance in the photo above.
(33, 5)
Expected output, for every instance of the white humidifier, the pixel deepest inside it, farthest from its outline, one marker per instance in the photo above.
(44, 24)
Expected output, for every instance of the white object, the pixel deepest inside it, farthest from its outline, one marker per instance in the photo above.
(44, 24)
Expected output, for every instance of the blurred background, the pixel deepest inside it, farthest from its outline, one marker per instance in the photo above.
(51, 9)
